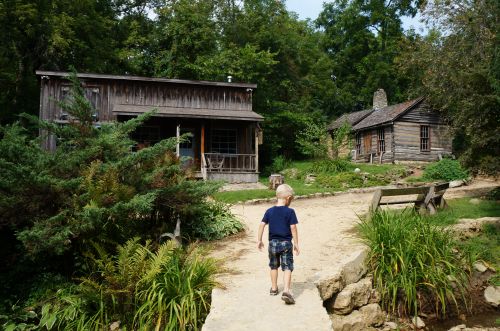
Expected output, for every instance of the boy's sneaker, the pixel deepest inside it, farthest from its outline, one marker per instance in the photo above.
(288, 298)
(273, 292)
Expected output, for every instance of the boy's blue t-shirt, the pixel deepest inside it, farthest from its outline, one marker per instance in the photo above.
(279, 219)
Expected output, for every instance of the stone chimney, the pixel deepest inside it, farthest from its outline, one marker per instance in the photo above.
(379, 99)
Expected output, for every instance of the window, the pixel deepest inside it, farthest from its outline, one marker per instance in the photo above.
(424, 138)
(381, 140)
(91, 94)
(224, 141)
(146, 135)
(358, 143)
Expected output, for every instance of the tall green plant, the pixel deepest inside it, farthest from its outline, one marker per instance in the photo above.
(415, 265)
(164, 289)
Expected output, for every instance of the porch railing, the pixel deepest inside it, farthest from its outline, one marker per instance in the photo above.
(220, 162)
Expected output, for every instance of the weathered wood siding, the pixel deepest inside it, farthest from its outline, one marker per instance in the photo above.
(407, 135)
(407, 142)
(372, 136)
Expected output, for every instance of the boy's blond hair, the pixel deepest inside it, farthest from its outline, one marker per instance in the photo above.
(284, 191)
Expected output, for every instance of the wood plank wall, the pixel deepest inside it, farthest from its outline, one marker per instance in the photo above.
(407, 139)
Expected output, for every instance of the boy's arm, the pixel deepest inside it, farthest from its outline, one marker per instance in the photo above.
(260, 244)
(295, 236)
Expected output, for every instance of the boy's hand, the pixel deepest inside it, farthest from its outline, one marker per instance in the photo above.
(296, 249)
(260, 245)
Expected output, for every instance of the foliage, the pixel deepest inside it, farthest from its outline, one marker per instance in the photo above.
(215, 222)
(280, 162)
(91, 189)
(328, 166)
(347, 180)
(463, 208)
(445, 169)
(168, 288)
(312, 140)
(494, 194)
(465, 37)
(414, 265)
(342, 139)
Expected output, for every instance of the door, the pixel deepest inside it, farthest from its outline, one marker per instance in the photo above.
(367, 140)
(186, 149)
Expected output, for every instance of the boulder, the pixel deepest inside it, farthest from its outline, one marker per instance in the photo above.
(492, 295)
(418, 322)
(390, 326)
(357, 170)
(332, 280)
(373, 314)
(375, 297)
(352, 322)
(353, 296)
(475, 201)
(458, 327)
(310, 179)
(456, 183)
(479, 266)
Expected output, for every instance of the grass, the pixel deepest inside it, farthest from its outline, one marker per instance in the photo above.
(326, 182)
(462, 208)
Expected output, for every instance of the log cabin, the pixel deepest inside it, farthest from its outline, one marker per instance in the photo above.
(406, 132)
(225, 131)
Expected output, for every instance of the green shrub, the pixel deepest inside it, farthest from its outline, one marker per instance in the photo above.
(414, 263)
(168, 288)
(493, 194)
(279, 163)
(445, 169)
(348, 180)
(328, 166)
(215, 222)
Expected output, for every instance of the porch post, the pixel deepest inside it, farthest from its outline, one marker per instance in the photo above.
(256, 149)
(178, 135)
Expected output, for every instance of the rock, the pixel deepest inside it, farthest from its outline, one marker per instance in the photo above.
(417, 321)
(492, 295)
(330, 284)
(475, 201)
(458, 327)
(332, 280)
(356, 268)
(390, 326)
(357, 170)
(115, 326)
(310, 179)
(479, 266)
(456, 183)
(351, 322)
(469, 227)
(374, 296)
(373, 314)
(353, 296)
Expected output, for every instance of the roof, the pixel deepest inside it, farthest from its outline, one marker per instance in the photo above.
(386, 114)
(351, 118)
(144, 79)
(222, 114)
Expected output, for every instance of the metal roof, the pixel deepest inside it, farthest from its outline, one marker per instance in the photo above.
(223, 114)
(387, 114)
(145, 79)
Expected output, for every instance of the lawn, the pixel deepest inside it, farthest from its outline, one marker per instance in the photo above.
(326, 182)
(463, 208)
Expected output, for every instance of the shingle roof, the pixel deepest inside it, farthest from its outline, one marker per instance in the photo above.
(351, 118)
(386, 114)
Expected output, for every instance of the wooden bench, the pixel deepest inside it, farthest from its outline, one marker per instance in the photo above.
(428, 199)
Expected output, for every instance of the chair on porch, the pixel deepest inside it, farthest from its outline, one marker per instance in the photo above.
(215, 162)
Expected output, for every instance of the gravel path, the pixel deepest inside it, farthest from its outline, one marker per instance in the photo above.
(326, 237)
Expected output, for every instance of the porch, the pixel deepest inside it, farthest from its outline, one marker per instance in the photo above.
(214, 149)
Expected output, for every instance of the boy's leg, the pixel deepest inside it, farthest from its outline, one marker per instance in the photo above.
(274, 279)
(287, 278)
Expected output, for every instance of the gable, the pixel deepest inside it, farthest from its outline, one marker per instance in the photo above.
(422, 113)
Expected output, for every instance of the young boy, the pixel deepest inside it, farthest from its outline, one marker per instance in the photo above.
(282, 223)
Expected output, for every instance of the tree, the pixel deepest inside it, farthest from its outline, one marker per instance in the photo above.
(362, 37)
(460, 61)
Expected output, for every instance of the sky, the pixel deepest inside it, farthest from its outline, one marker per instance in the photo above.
(312, 8)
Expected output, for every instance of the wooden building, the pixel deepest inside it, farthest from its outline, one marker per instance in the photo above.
(409, 131)
(225, 131)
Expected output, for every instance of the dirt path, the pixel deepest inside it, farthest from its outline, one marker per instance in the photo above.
(326, 238)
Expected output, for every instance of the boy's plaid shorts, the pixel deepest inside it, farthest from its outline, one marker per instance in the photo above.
(281, 253)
